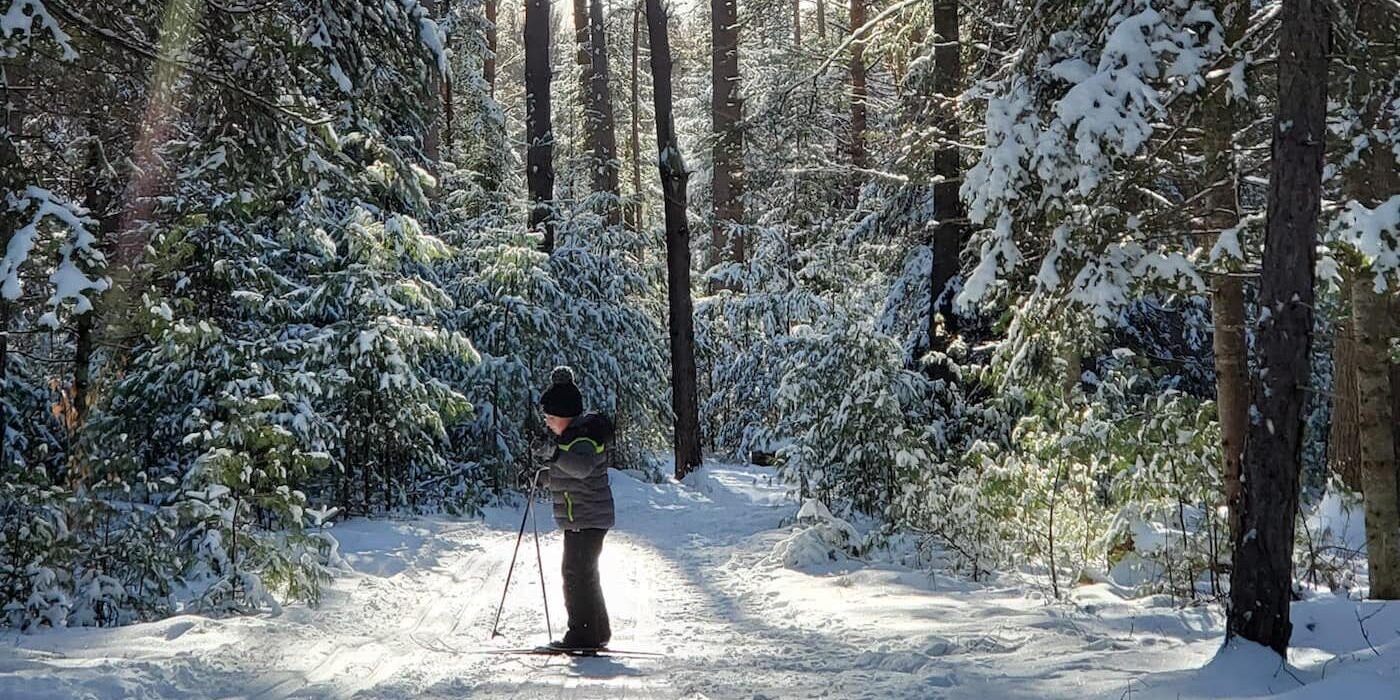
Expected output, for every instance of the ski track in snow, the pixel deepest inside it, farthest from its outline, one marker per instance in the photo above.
(688, 573)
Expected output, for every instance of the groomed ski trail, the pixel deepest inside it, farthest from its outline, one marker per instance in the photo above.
(688, 572)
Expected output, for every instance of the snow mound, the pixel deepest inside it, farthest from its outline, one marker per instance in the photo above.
(819, 538)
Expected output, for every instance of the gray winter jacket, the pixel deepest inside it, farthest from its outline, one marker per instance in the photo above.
(578, 474)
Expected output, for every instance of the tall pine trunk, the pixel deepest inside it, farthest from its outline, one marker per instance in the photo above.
(539, 157)
(488, 66)
(856, 149)
(727, 152)
(435, 137)
(797, 24)
(582, 58)
(673, 184)
(1231, 388)
(601, 120)
(1395, 395)
(449, 111)
(1343, 445)
(583, 62)
(1373, 181)
(634, 209)
(99, 197)
(1261, 580)
(1221, 211)
(1375, 422)
(11, 180)
(950, 234)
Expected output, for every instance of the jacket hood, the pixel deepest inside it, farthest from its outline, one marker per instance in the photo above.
(593, 426)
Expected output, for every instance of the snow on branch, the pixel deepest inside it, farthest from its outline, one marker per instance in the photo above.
(79, 265)
(1064, 127)
(24, 19)
(1373, 234)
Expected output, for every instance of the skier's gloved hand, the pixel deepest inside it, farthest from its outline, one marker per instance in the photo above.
(544, 451)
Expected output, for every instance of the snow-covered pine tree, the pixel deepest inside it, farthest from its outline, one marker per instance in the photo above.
(286, 178)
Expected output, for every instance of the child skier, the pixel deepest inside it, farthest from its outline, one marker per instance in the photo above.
(577, 471)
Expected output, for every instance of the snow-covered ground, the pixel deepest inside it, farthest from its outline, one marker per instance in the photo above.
(697, 571)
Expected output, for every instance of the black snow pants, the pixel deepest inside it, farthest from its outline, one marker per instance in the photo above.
(583, 592)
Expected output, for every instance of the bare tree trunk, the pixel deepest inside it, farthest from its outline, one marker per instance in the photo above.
(1395, 396)
(1372, 181)
(1231, 387)
(726, 111)
(539, 169)
(797, 24)
(673, 184)
(634, 210)
(582, 57)
(5, 372)
(13, 99)
(583, 62)
(821, 20)
(856, 148)
(449, 113)
(1343, 445)
(432, 137)
(488, 66)
(1221, 211)
(99, 197)
(601, 120)
(1261, 580)
(951, 232)
(1375, 422)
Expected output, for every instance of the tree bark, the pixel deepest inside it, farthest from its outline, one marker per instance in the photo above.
(539, 159)
(1220, 211)
(432, 136)
(1343, 446)
(797, 24)
(437, 140)
(727, 152)
(601, 119)
(634, 209)
(583, 68)
(1261, 580)
(821, 20)
(1395, 400)
(488, 65)
(950, 234)
(582, 57)
(449, 112)
(1395, 397)
(1372, 181)
(856, 148)
(673, 184)
(1375, 422)
(99, 197)
(1231, 388)
(13, 99)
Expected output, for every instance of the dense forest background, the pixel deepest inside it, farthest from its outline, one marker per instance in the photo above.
(992, 274)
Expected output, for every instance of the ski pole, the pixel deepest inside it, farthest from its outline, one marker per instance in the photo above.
(539, 560)
(529, 507)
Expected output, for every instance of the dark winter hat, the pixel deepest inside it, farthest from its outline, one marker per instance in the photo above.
(562, 398)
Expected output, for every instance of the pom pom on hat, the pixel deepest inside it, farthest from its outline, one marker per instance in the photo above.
(563, 374)
(562, 398)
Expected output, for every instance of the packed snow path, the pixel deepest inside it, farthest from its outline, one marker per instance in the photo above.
(690, 572)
